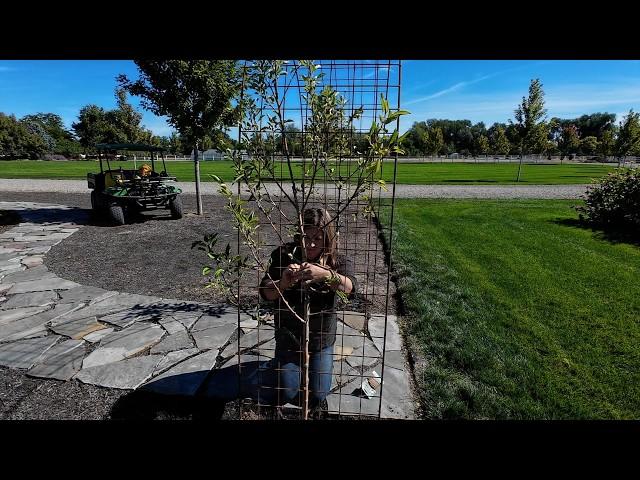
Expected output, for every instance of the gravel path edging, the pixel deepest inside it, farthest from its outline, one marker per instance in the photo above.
(402, 191)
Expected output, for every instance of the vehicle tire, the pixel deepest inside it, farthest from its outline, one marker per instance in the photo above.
(116, 214)
(175, 205)
(94, 200)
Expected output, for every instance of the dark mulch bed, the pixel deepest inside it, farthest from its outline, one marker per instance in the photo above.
(153, 256)
(8, 220)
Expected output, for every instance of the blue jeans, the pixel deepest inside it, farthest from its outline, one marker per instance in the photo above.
(276, 381)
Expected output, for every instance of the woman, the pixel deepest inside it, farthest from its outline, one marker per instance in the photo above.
(320, 273)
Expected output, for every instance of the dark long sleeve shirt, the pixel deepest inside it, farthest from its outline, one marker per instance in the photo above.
(322, 303)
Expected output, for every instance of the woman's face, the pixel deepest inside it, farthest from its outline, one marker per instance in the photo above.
(314, 242)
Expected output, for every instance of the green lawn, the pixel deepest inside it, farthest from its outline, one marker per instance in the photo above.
(518, 311)
(408, 173)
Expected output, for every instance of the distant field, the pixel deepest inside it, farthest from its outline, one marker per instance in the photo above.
(408, 173)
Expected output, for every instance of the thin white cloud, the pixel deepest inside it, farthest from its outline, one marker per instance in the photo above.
(450, 89)
(381, 69)
(465, 83)
(565, 101)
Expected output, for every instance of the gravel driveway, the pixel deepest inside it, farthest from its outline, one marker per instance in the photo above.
(402, 191)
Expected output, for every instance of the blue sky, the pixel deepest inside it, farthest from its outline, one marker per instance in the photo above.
(478, 90)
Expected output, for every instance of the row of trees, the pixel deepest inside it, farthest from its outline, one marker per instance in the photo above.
(35, 136)
(44, 135)
(590, 135)
(596, 134)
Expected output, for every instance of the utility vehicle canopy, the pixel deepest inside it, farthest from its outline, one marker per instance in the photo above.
(136, 147)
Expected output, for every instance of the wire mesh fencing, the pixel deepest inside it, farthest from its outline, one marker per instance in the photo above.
(310, 272)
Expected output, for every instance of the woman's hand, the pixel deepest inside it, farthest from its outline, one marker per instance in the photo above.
(312, 273)
(290, 276)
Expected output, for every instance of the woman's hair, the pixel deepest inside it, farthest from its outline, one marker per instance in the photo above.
(320, 218)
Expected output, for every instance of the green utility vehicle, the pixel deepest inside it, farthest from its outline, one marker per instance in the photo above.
(119, 193)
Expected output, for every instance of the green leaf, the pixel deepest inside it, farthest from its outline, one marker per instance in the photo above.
(394, 116)
(206, 270)
(384, 103)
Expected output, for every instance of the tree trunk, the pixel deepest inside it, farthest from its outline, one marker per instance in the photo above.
(196, 162)
(305, 366)
(519, 168)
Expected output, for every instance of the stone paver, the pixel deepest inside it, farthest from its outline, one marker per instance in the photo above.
(54, 283)
(33, 299)
(394, 359)
(32, 261)
(85, 294)
(355, 320)
(365, 356)
(171, 358)
(112, 304)
(77, 329)
(35, 273)
(244, 358)
(376, 330)
(256, 336)
(396, 396)
(187, 319)
(343, 373)
(214, 337)
(61, 362)
(126, 374)
(344, 402)
(172, 326)
(8, 316)
(209, 321)
(34, 324)
(124, 344)
(176, 341)
(185, 378)
(25, 353)
(98, 335)
(121, 319)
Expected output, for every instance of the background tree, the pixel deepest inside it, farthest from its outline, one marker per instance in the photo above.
(42, 142)
(483, 145)
(628, 141)
(589, 145)
(91, 127)
(435, 142)
(607, 143)
(478, 130)
(20, 139)
(64, 141)
(529, 122)
(500, 142)
(125, 122)
(569, 141)
(195, 95)
(595, 124)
